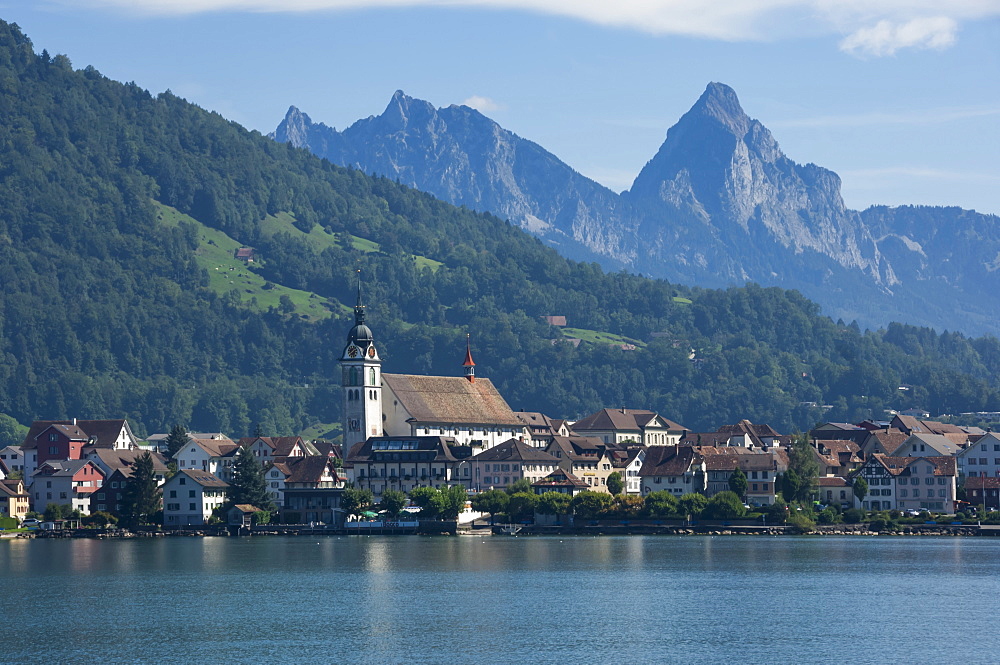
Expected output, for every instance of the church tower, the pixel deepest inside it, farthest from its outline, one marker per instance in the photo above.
(361, 378)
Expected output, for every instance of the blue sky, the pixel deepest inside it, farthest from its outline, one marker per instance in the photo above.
(900, 97)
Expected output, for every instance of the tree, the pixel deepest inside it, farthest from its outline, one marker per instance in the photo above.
(738, 483)
(428, 500)
(12, 433)
(589, 504)
(802, 461)
(724, 506)
(554, 503)
(522, 506)
(356, 501)
(249, 486)
(615, 484)
(141, 496)
(691, 505)
(860, 488)
(519, 485)
(452, 501)
(492, 502)
(393, 502)
(660, 504)
(176, 440)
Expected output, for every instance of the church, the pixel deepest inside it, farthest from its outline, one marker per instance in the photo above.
(385, 414)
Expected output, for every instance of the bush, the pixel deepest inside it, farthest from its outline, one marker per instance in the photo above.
(723, 506)
(960, 516)
(881, 524)
(829, 516)
(801, 520)
(854, 516)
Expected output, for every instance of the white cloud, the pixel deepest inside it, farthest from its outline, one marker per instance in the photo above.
(482, 104)
(886, 37)
(872, 27)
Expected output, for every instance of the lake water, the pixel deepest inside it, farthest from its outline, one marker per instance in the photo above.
(471, 599)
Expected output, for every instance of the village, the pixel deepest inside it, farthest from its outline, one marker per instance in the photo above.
(405, 433)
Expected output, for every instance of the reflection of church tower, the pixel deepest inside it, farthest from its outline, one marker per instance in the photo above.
(361, 378)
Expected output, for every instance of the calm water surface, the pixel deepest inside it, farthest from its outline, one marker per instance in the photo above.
(502, 600)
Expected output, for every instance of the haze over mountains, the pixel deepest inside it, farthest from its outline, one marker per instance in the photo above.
(719, 204)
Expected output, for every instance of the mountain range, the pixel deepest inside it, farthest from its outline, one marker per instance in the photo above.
(719, 204)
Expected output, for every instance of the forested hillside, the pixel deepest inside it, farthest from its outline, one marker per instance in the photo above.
(115, 203)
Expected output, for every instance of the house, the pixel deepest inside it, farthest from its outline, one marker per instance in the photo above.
(13, 458)
(555, 320)
(879, 472)
(760, 468)
(502, 465)
(540, 427)
(214, 455)
(246, 254)
(928, 483)
(118, 467)
(266, 448)
(586, 458)
(406, 462)
(980, 490)
(914, 425)
(42, 444)
(190, 497)
(749, 435)
(675, 469)
(471, 412)
(980, 459)
(14, 499)
(561, 481)
(835, 491)
(616, 426)
(628, 462)
(923, 445)
(837, 457)
(241, 515)
(881, 441)
(313, 491)
(68, 483)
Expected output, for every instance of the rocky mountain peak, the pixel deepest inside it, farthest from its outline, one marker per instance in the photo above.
(404, 110)
(720, 104)
(294, 128)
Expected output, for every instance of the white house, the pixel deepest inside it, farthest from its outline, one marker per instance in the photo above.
(13, 458)
(68, 483)
(190, 497)
(675, 469)
(216, 456)
(615, 426)
(980, 459)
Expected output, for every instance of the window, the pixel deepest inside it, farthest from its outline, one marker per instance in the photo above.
(902, 494)
(942, 481)
(173, 494)
(183, 480)
(916, 494)
(192, 506)
(53, 450)
(53, 436)
(982, 460)
(62, 495)
(941, 493)
(190, 494)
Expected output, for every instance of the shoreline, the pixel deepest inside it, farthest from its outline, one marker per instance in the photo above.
(939, 530)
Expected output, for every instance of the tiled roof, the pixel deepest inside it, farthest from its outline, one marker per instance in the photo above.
(628, 420)
(281, 445)
(246, 508)
(936, 442)
(309, 469)
(64, 468)
(448, 399)
(515, 450)
(832, 481)
(204, 478)
(216, 447)
(441, 445)
(561, 478)
(982, 482)
(667, 461)
(751, 462)
(105, 431)
(125, 459)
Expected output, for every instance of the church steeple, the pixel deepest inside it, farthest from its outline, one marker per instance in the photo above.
(361, 379)
(470, 366)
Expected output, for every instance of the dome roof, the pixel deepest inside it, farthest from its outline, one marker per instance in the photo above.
(360, 334)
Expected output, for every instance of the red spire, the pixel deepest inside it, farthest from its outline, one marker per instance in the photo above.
(470, 373)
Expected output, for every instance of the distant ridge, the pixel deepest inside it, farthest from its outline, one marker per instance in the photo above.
(719, 204)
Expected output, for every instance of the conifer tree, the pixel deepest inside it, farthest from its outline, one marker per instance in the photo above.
(738, 483)
(176, 440)
(249, 485)
(141, 496)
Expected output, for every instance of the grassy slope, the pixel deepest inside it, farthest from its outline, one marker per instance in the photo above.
(227, 273)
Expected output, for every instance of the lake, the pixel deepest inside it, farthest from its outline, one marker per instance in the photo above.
(482, 599)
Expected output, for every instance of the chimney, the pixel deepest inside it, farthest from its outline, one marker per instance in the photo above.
(74, 422)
